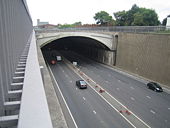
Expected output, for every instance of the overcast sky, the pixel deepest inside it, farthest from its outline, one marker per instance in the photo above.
(71, 11)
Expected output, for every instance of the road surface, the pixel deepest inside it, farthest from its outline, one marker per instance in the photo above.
(152, 107)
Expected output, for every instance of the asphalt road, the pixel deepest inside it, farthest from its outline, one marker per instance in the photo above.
(89, 110)
(152, 107)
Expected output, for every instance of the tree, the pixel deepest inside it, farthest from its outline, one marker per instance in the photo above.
(145, 17)
(137, 16)
(121, 18)
(131, 13)
(70, 25)
(138, 20)
(77, 24)
(103, 18)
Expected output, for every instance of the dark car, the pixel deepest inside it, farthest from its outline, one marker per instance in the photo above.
(155, 87)
(81, 84)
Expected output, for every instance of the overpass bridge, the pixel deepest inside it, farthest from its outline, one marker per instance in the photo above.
(104, 45)
(25, 84)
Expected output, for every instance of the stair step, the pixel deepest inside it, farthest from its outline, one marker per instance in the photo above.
(8, 121)
(17, 86)
(15, 94)
(12, 105)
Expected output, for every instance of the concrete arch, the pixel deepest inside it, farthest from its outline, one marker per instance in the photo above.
(105, 39)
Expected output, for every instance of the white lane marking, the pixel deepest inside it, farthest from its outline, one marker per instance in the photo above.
(63, 98)
(166, 121)
(132, 87)
(120, 81)
(132, 98)
(76, 88)
(84, 98)
(66, 75)
(114, 107)
(63, 70)
(152, 111)
(148, 97)
(168, 108)
(107, 81)
(94, 112)
(71, 81)
(118, 88)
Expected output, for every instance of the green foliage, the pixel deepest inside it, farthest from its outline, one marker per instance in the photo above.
(103, 18)
(131, 13)
(121, 18)
(145, 17)
(70, 25)
(137, 16)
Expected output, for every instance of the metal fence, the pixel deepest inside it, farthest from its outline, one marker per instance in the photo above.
(132, 29)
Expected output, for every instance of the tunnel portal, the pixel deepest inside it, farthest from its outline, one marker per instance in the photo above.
(85, 46)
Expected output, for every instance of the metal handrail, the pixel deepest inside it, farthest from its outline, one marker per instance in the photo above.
(132, 29)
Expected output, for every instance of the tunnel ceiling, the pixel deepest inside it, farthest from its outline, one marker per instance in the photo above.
(75, 42)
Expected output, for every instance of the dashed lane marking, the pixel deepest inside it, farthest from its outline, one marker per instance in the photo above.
(152, 111)
(132, 98)
(148, 97)
(118, 88)
(84, 98)
(94, 111)
(64, 99)
(132, 87)
(168, 108)
(107, 81)
(115, 108)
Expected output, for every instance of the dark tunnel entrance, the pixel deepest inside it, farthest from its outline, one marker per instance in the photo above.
(84, 46)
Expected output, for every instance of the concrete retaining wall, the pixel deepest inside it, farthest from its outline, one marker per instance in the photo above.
(100, 55)
(147, 55)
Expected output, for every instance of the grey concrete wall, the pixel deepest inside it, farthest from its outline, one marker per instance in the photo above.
(100, 55)
(15, 30)
(147, 55)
